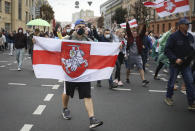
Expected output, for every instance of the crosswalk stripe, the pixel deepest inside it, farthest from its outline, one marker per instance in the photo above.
(55, 87)
(26, 127)
(3, 61)
(17, 84)
(48, 85)
(60, 81)
(39, 110)
(48, 97)
(2, 66)
(158, 91)
(164, 79)
(121, 89)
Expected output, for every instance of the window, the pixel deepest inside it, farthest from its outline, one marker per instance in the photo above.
(158, 28)
(7, 26)
(0, 6)
(20, 9)
(163, 28)
(194, 6)
(7, 7)
(193, 26)
(169, 26)
(26, 17)
(26, 2)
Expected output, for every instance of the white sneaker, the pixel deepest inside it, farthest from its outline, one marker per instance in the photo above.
(115, 81)
(19, 69)
(120, 83)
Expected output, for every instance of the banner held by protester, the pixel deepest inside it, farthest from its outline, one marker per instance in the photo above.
(74, 60)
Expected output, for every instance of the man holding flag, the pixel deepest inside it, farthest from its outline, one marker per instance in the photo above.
(84, 88)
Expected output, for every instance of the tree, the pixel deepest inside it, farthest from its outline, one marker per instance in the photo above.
(100, 22)
(46, 12)
(140, 12)
(119, 15)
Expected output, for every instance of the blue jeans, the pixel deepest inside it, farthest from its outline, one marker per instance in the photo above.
(20, 56)
(188, 79)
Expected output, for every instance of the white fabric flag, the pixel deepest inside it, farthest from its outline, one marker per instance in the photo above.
(75, 61)
(132, 23)
(169, 7)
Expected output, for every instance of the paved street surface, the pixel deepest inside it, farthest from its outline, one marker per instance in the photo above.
(30, 104)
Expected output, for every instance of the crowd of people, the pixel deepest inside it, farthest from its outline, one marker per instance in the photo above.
(175, 49)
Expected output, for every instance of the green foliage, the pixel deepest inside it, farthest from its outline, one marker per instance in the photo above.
(119, 15)
(46, 12)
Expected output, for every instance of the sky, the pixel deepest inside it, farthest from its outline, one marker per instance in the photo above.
(64, 8)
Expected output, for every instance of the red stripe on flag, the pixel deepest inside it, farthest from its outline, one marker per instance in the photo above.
(178, 4)
(133, 23)
(149, 3)
(54, 58)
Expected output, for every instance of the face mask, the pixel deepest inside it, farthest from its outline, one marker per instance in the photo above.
(20, 31)
(80, 31)
(68, 30)
(107, 36)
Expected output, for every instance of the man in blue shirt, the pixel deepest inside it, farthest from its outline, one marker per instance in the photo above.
(179, 49)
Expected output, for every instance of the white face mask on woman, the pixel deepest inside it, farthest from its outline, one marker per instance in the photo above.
(20, 31)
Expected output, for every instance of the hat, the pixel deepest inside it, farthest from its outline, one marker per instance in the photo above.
(80, 21)
(183, 21)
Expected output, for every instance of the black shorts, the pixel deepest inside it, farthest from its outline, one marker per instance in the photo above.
(84, 89)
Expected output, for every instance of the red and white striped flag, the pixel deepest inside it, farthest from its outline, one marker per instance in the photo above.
(168, 7)
(74, 61)
(152, 4)
(132, 23)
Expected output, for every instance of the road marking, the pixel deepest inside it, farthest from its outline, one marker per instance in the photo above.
(17, 84)
(158, 91)
(48, 97)
(2, 66)
(9, 64)
(163, 79)
(39, 110)
(121, 89)
(60, 81)
(92, 87)
(55, 87)
(15, 62)
(151, 71)
(48, 85)
(134, 73)
(26, 127)
(3, 61)
(184, 92)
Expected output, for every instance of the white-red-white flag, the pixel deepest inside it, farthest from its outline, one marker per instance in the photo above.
(169, 7)
(152, 4)
(132, 23)
(74, 61)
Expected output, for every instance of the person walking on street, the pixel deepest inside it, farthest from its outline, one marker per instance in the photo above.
(84, 88)
(147, 48)
(20, 45)
(134, 49)
(11, 42)
(179, 49)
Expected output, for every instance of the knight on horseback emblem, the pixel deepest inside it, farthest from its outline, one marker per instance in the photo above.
(74, 60)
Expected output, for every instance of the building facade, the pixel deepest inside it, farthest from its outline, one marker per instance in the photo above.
(160, 25)
(83, 14)
(107, 10)
(16, 13)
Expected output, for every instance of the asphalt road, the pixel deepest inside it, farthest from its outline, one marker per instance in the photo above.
(31, 104)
